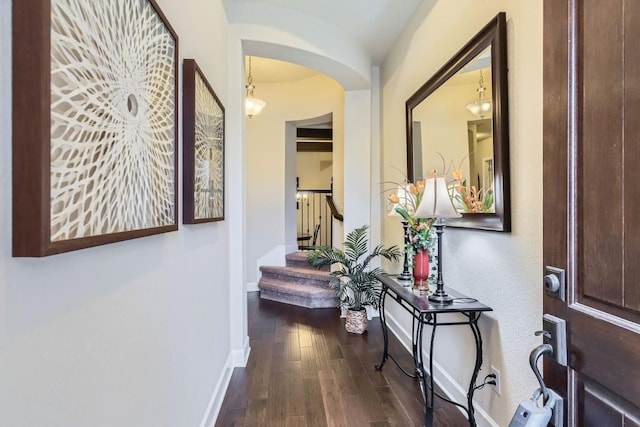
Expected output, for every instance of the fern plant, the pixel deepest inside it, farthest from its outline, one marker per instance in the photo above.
(355, 282)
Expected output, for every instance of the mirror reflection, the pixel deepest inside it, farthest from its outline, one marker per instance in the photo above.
(453, 125)
(458, 122)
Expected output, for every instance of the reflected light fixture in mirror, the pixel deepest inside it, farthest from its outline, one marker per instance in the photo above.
(481, 107)
(252, 105)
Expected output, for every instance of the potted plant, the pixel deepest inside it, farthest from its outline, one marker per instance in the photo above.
(355, 282)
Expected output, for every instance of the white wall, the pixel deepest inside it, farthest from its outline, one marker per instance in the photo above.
(128, 334)
(357, 157)
(503, 270)
(266, 195)
(314, 170)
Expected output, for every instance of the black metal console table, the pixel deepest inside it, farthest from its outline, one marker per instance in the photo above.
(425, 312)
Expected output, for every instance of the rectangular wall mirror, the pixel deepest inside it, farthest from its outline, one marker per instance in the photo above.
(461, 115)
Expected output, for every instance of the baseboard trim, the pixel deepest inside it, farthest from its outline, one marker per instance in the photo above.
(447, 384)
(252, 287)
(239, 358)
(215, 403)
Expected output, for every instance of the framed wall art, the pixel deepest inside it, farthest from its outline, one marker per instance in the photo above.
(203, 148)
(95, 123)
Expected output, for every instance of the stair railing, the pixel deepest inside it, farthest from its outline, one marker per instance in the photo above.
(314, 225)
(334, 210)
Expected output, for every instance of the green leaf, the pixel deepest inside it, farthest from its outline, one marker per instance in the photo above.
(354, 283)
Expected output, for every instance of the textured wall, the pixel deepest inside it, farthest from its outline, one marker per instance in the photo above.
(128, 334)
(503, 270)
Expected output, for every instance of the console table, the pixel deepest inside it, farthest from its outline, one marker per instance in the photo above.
(425, 312)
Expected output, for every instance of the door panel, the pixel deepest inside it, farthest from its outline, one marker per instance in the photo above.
(632, 157)
(597, 412)
(592, 203)
(606, 353)
(600, 73)
(600, 408)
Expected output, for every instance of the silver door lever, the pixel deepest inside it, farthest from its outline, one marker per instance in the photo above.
(536, 353)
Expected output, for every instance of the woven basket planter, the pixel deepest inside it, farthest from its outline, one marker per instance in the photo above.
(356, 321)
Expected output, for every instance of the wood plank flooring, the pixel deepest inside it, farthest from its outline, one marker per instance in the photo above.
(305, 370)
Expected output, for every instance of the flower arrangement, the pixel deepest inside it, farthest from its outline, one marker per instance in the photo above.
(420, 233)
(407, 198)
(469, 197)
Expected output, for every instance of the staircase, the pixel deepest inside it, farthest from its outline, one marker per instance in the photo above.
(298, 283)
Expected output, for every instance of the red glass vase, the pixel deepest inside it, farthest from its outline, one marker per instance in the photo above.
(421, 269)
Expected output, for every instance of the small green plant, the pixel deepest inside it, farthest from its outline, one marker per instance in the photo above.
(355, 283)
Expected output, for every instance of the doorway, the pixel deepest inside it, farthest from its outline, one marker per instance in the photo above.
(314, 177)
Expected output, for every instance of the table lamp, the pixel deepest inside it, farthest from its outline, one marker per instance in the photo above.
(403, 201)
(436, 203)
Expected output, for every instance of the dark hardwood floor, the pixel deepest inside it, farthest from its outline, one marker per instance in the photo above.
(306, 370)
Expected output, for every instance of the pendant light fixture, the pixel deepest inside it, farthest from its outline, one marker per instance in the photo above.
(481, 107)
(252, 105)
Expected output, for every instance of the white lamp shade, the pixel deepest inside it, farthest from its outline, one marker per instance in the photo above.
(480, 108)
(405, 200)
(393, 212)
(436, 202)
(253, 106)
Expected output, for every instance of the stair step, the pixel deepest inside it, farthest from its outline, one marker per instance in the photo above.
(297, 294)
(305, 276)
(299, 259)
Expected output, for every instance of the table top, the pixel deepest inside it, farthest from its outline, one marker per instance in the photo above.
(460, 304)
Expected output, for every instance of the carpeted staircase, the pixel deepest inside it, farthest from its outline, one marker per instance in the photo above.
(298, 283)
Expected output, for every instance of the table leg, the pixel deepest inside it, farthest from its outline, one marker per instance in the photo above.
(414, 347)
(417, 329)
(431, 380)
(418, 360)
(473, 323)
(383, 323)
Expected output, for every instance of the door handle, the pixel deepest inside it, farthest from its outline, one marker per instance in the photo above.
(554, 333)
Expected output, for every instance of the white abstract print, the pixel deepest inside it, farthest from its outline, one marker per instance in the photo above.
(113, 94)
(209, 154)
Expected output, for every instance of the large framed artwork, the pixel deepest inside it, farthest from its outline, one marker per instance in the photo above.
(95, 124)
(203, 148)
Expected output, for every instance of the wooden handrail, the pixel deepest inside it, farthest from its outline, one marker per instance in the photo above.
(334, 210)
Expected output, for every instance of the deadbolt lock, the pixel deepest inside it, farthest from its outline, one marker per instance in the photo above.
(554, 283)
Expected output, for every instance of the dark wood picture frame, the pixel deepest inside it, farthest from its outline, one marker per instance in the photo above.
(32, 138)
(212, 129)
(493, 35)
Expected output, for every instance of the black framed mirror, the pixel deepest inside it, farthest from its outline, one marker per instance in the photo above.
(461, 115)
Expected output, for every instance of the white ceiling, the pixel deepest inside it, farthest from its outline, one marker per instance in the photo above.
(265, 71)
(375, 24)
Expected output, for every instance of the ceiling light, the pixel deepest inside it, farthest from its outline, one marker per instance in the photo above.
(481, 107)
(252, 105)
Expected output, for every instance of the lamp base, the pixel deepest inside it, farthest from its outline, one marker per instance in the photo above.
(405, 276)
(441, 297)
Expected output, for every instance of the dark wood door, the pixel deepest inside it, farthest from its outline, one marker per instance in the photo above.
(592, 203)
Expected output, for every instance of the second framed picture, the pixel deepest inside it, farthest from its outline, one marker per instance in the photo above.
(203, 152)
